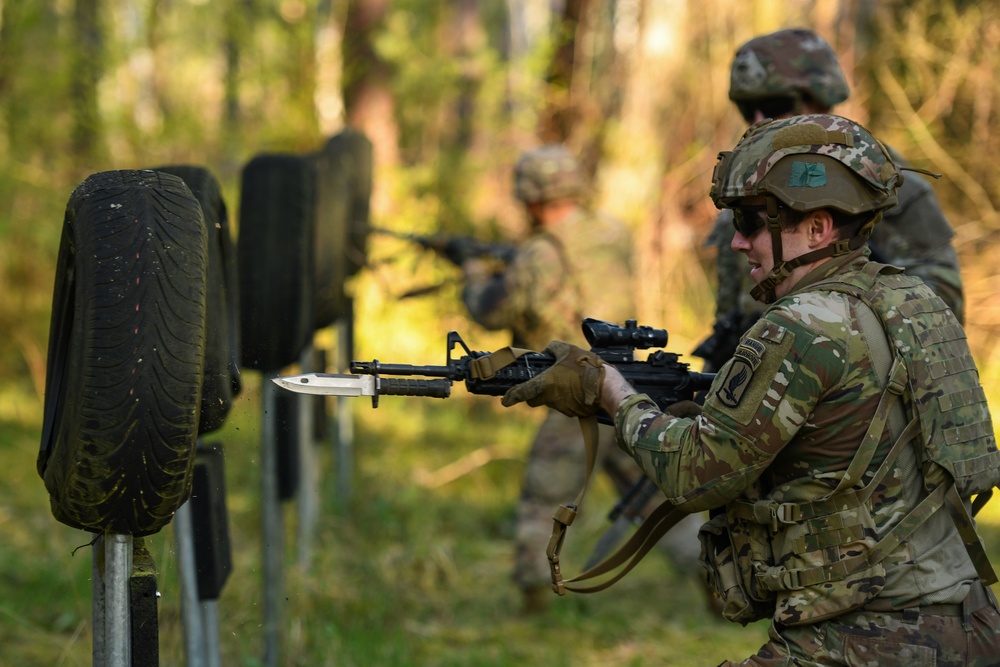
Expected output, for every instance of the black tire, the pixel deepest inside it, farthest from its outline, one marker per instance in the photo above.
(275, 247)
(209, 521)
(222, 348)
(286, 408)
(126, 353)
(343, 200)
(321, 413)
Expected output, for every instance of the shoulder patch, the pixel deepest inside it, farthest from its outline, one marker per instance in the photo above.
(746, 359)
(769, 331)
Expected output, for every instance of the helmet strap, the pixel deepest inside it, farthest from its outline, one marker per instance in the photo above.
(765, 290)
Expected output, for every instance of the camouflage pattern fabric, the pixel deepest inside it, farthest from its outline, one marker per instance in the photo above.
(751, 168)
(786, 416)
(581, 267)
(792, 62)
(548, 173)
(885, 639)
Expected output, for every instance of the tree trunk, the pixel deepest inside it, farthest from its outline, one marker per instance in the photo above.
(238, 16)
(561, 112)
(87, 135)
(370, 105)
(300, 73)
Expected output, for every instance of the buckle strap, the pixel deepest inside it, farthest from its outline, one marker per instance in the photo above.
(780, 578)
(766, 512)
(565, 514)
(663, 518)
(486, 366)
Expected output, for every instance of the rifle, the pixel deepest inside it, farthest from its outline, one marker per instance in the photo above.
(455, 248)
(662, 376)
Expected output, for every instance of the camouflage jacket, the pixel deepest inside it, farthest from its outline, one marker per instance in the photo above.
(914, 235)
(580, 267)
(783, 421)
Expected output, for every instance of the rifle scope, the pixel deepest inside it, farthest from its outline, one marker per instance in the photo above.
(601, 334)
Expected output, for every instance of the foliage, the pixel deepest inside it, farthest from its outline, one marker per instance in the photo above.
(414, 570)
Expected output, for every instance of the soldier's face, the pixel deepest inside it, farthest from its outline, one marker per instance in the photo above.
(754, 111)
(758, 250)
(758, 245)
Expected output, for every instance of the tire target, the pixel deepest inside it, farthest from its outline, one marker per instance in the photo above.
(343, 200)
(126, 353)
(222, 347)
(275, 248)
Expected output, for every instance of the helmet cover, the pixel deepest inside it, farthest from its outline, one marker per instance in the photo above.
(789, 63)
(809, 162)
(548, 173)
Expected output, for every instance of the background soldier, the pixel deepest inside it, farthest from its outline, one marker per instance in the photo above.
(845, 437)
(576, 263)
(791, 72)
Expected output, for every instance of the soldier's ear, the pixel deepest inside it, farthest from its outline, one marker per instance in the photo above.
(819, 228)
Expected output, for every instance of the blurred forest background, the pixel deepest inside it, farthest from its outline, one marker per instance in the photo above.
(449, 92)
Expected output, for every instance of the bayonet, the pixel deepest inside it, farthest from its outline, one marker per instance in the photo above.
(338, 384)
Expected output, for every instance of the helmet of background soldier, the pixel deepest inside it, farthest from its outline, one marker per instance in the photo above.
(548, 173)
(794, 63)
(809, 162)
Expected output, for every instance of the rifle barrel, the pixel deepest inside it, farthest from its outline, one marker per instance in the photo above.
(378, 368)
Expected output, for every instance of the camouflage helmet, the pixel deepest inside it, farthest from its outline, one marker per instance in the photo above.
(809, 162)
(548, 173)
(794, 63)
(804, 163)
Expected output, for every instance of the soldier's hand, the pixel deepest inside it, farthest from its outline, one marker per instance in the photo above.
(572, 385)
(461, 249)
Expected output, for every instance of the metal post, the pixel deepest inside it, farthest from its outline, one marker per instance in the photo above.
(308, 504)
(272, 528)
(194, 627)
(344, 435)
(112, 617)
(98, 601)
(210, 617)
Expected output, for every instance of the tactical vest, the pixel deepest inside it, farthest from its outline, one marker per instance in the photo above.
(806, 562)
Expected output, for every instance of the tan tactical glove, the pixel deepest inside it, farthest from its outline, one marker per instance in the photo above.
(572, 385)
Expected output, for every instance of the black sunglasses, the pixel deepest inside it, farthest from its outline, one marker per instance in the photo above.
(769, 107)
(747, 219)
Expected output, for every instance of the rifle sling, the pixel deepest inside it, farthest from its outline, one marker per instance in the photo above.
(486, 366)
(627, 556)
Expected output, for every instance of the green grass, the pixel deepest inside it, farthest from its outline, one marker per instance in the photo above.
(412, 571)
(408, 573)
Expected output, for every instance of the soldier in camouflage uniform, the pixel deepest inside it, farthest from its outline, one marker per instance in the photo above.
(839, 449)
(577, 263)
(792, 72)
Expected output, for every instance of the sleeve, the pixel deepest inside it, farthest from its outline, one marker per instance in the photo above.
(512, 298)
(758, 403)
